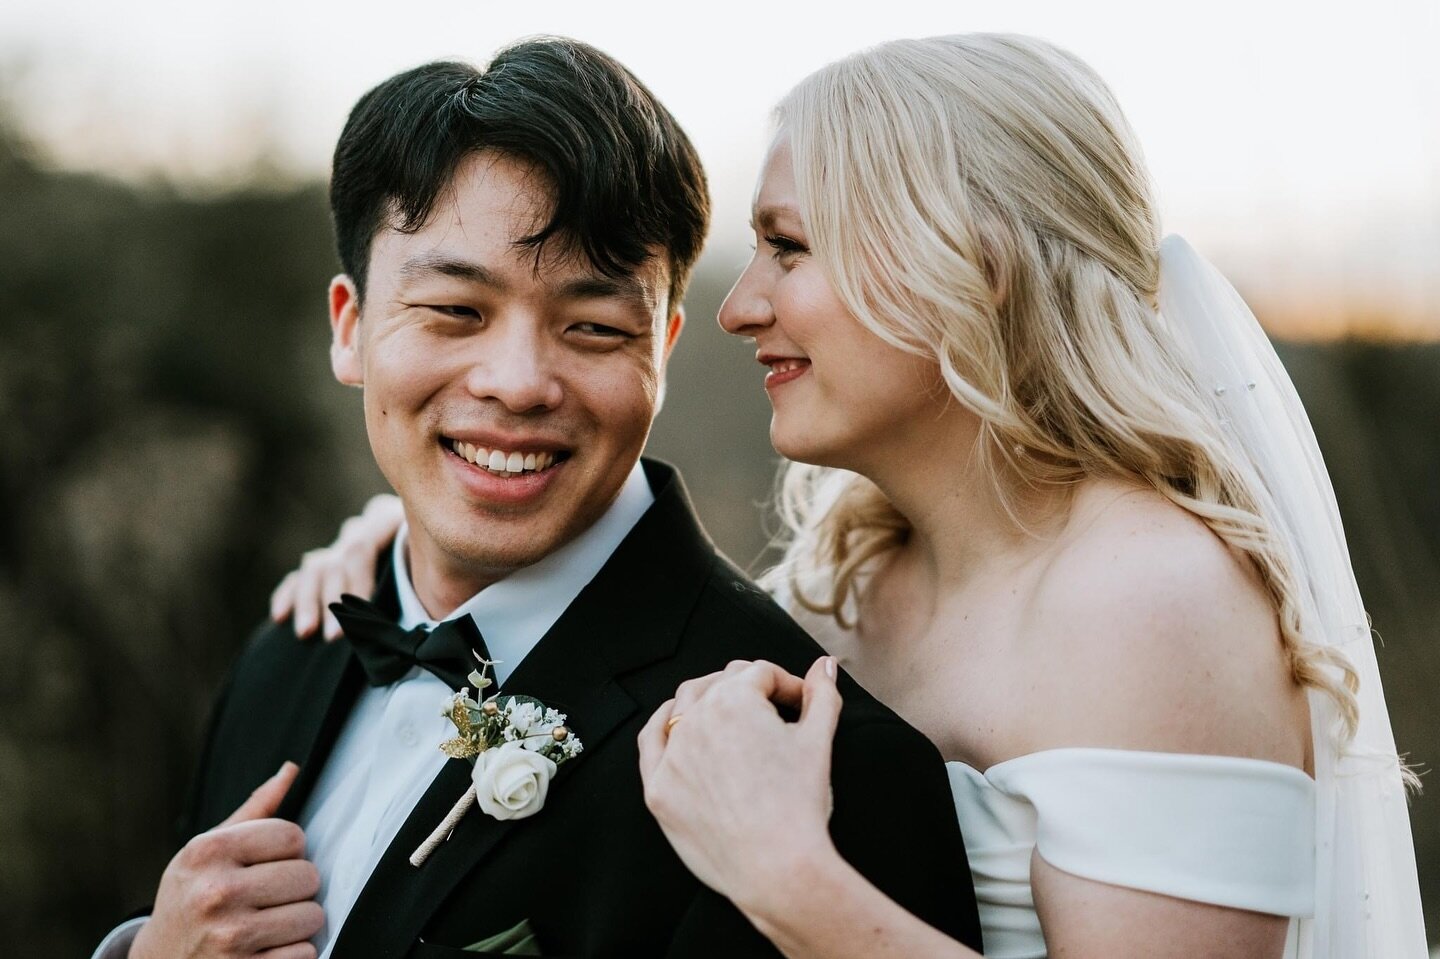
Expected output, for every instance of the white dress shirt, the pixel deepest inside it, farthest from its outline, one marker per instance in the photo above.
(387, 752)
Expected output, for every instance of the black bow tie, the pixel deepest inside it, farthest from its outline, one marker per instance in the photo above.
(388, 652)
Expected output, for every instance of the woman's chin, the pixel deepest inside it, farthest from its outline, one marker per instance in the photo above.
(800, 445)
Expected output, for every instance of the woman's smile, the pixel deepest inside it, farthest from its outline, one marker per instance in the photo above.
(783, 369)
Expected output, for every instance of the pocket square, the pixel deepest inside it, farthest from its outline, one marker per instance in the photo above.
(517, 941)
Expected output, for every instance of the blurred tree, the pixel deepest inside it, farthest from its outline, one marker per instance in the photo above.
(171, 439)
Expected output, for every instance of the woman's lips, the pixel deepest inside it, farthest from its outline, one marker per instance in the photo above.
(784, 370)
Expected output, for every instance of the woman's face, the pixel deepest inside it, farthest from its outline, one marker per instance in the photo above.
(841, 396)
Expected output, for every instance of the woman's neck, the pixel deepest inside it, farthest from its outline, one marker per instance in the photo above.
(965, 521)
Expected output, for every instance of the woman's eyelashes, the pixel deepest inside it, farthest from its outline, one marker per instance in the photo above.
(784, 246)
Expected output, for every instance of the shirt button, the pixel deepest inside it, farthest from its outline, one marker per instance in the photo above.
(406, 733)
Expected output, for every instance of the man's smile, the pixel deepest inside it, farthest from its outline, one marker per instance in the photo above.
(504, 462)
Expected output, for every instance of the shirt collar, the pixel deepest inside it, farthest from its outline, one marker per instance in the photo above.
(516, 612)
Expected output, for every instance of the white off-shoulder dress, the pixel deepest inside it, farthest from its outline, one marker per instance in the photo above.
(1216, 829)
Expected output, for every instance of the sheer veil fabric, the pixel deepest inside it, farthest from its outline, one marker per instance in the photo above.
(1367, 902)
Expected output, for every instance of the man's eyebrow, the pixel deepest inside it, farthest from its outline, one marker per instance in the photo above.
(595, 287)
(430, 264)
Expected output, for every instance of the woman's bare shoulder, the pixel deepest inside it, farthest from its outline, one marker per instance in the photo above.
(1155, 634)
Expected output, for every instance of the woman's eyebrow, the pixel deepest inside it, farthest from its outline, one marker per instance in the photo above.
(766, 216)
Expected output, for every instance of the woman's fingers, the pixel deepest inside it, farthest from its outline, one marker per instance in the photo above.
(688, 693)
(775, 684)
(727, 779)
(820, 710)
(652, 739)
(387, 511)
(282, 601)
(309, 579)
(765, 678)
(332, 584)
(345, 566)
(359, 565)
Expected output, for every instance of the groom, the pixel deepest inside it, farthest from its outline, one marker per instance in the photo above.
(516, 244)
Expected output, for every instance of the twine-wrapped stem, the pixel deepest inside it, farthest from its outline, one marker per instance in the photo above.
(442, 831)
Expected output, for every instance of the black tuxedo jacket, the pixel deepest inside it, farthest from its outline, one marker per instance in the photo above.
(592, 872)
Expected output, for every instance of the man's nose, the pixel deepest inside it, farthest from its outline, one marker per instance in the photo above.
(515, 368)
(747, 309)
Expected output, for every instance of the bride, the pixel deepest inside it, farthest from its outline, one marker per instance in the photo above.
(1053, 499)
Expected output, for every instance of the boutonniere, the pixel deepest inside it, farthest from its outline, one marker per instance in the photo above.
(514, 745)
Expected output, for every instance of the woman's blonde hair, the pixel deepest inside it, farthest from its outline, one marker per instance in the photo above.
(981, 200)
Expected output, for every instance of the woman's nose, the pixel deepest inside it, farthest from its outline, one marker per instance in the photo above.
(747, 308)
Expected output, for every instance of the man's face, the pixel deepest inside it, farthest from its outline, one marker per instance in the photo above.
(506, 405)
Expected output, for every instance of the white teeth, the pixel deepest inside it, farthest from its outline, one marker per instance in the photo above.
(499, 461)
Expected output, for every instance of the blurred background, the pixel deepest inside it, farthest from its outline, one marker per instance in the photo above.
(171, 438)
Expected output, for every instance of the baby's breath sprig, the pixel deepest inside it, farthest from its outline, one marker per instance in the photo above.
(499, 723)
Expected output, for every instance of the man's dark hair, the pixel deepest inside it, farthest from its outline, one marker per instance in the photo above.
(623, 176)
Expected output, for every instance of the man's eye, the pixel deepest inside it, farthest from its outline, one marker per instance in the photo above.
(599, 329)
(466, 312)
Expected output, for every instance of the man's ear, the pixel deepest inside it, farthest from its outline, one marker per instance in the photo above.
(345, 332)
(673, 326)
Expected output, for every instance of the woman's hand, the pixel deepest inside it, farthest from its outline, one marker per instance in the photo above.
(345, 566)
(743, 795)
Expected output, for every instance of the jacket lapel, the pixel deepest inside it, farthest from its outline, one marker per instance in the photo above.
(334, 684)
(331, 691)
(632, 614)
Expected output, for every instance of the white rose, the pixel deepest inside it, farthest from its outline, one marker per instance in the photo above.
(511, 782)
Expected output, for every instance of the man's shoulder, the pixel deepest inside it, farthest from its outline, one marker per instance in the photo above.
(274, 645)
(734, 618)
(274, 664)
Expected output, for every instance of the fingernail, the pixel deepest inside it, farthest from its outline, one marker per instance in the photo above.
(830, 666)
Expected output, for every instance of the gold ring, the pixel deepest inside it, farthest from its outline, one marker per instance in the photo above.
(670, 723)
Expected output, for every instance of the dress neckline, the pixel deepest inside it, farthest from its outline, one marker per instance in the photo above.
(1137, 755)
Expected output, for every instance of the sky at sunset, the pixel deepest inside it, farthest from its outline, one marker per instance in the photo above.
(1296, 143)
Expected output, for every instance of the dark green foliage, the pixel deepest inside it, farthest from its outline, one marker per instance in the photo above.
(171, 439)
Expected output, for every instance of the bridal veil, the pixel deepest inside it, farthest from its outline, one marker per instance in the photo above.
(1367, 893)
